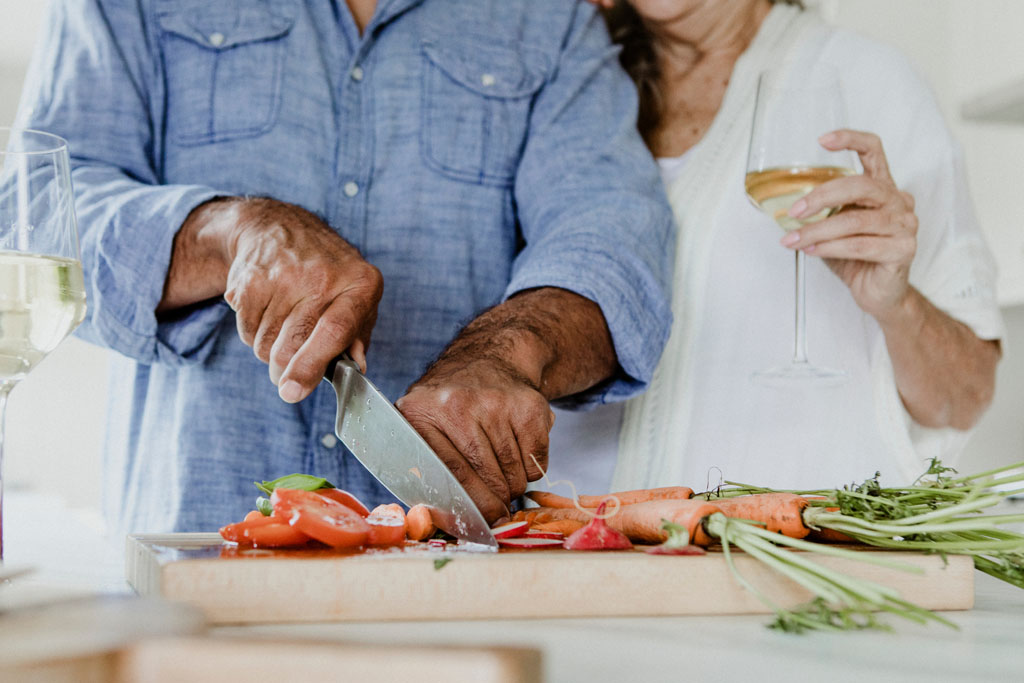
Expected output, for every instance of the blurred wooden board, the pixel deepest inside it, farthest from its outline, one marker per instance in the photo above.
(231, 660)
(235, 586)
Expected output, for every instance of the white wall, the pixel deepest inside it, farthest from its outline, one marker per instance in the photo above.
(962, 46)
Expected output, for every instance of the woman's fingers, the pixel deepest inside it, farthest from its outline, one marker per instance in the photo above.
(868, 147)
(855, 190)
(869, 248)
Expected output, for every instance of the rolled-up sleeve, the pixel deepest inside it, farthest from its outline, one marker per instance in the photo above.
(591, 206)
(92, 81)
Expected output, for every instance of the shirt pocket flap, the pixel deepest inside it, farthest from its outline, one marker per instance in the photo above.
(219, 31)
(489, 70)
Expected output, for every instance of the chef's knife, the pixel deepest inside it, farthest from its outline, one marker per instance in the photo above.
(394, 452)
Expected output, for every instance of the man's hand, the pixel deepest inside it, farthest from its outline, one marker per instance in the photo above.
(484, 420)
(483, 406)
(301, 293)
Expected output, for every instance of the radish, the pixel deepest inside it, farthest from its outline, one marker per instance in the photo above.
(510, 530)
(666, 549)
(597, 535)
(527, 542)
(537, 533)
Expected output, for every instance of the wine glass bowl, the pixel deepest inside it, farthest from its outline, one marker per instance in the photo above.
(785, 162)
(42, 291)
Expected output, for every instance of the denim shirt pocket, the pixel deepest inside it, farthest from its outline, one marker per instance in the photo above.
(476, 102)
(223, 63)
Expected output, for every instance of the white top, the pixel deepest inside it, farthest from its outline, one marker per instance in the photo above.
(702, 419)
(733, 300)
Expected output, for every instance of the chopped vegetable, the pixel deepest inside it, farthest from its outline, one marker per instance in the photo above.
(440, 562)
(419, 523)
(263, 532)
(345, 498)
(539, 533)
(528, 542)
(387, 525)
(597, 535)
(299, 482)
(326, 520)
(511, 530)
(264, 506)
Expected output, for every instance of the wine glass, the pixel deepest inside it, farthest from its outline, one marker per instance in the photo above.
(784, 163)
(42, 293)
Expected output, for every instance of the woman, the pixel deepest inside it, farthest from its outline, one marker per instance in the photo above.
(902, 298)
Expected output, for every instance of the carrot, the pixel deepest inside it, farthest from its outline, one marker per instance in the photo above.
(640, 496)
(553, 500)
(780, 512)
(566, 527)
(546, 499)
(639, 521)
(419, 524)
(387, 525)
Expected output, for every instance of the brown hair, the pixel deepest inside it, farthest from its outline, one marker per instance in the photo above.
(640, 61)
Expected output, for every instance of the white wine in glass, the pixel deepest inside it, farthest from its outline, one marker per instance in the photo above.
(785, 163)
(42, 293)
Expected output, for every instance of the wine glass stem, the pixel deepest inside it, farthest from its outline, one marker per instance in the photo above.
(800, 338)
(5, 390)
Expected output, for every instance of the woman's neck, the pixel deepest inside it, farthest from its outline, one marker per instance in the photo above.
(719, 29)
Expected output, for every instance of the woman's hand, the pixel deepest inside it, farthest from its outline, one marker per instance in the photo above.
(870, 242)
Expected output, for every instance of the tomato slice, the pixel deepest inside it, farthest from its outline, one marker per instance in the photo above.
(277, 535)
(263, 532)
(346, 499)
(235, 532)
(319, 517)
(387, 525)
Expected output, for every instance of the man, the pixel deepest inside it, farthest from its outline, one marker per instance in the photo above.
(292, 176)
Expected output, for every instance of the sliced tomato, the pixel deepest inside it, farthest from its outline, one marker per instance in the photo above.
(387, 525)
(346, 499)
(236, 532)
(276, 535)
(319, 517)
(255, 514)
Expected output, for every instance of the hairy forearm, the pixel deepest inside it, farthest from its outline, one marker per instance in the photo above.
(199, 263)
(554, 339)
(944, 373)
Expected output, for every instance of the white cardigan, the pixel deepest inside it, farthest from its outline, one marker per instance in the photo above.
(952, 267)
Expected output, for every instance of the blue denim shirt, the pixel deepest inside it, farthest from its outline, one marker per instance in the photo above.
(469, 149)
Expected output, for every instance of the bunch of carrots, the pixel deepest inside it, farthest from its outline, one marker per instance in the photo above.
(938, 514)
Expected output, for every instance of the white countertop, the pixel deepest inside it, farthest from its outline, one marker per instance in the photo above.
(71, 558)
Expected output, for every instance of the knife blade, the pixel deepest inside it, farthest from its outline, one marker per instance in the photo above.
(380, 437)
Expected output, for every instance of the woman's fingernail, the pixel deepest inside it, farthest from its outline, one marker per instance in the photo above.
(798, 208)
(791, 238)
(827, 138)
(290, 391)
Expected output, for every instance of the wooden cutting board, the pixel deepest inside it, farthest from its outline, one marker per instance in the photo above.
(233, 586)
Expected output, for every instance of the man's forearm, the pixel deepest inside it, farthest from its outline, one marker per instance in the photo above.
(944, 373)
(555, 339)
(199, 268)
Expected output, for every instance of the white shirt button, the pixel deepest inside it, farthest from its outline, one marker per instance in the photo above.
(351, 189)
(488, 80)
(329, 440)
(357, 73)
(216, 39)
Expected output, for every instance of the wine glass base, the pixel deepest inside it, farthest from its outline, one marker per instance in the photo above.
(799, 374)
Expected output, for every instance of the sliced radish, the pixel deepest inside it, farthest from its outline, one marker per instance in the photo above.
(537, 533)
(664, 549)
(529, 542)
(510, 530)
(437, 543)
